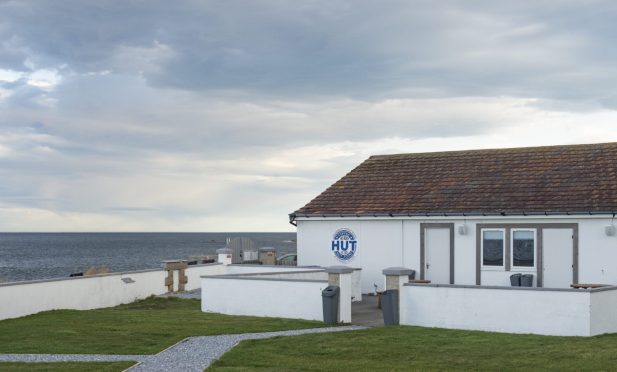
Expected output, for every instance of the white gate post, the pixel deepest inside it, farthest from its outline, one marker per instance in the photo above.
(341, 276)
(396, 277)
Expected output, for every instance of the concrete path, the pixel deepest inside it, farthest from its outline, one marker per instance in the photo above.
(190, 354)
(366, 312)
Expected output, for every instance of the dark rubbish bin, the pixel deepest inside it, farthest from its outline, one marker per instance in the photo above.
(389, 307)
(515, 280)
(527, 280)
(412, 276)
(329, 297)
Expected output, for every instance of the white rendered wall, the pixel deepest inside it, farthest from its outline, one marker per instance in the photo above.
(260, 297)
(546, 312)
(603, 314)
(296, 275)
(387, 242)
(93, 292)
(247, 269)
(379, 246)
(81, 293)
(194, 272)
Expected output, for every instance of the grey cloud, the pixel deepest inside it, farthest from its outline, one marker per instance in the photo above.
(229, 108)
(335, 48)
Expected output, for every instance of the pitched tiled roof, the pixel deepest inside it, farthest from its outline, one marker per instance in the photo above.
(551, 179)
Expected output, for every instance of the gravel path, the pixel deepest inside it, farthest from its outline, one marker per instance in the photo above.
(194, 294)
(197, 353)
(190, 354)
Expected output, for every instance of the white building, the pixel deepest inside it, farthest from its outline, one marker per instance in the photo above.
(471, 217)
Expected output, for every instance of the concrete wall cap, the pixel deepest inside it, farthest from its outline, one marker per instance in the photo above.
(339, 269)
(397, 271)
(172, 261)
(224, 251)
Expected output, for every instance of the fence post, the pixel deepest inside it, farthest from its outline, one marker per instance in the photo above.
(175, 274)
(341, 276)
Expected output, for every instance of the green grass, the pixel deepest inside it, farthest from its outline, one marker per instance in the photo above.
(415, 348)
(66, 366)
(144, 327)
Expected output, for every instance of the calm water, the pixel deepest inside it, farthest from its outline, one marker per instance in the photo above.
(26, 256)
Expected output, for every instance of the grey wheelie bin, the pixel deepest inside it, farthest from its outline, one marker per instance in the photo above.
(526, 280)
(515, 280)
(389, 307)
(330, 298)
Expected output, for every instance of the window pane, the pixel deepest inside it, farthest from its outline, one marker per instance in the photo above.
(523, 248)
(492, 248)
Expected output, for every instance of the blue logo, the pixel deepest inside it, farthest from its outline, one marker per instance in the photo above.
(344, 244)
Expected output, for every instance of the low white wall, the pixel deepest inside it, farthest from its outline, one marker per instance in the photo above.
(297, 275)
(106, 290)
(194, 272)
(81, 293)
(249, 269)
(258, 296)
(603, 311)
(547, 312)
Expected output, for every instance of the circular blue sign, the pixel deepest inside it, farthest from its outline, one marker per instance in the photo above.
(344, 244)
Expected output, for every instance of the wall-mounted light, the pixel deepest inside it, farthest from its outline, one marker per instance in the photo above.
(462, 229)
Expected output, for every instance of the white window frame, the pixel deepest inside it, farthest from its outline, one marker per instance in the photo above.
(535, 250)
(492, 267)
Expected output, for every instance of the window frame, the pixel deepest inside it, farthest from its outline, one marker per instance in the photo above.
(535, 249)
(493, 267)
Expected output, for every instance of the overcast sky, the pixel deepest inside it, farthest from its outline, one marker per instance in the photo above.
(227, 115)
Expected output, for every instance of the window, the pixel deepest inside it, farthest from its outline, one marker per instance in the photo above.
(492, 248)
(523, 248)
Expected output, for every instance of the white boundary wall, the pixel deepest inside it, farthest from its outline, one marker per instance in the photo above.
(558, 312)
(82, 293)
(261, 296)
(91, 292)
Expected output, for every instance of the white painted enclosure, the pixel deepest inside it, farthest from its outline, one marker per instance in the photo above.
(395, 242)
(282, 292)
(558, 312)
(91, 292)
(106, 290)
(262, 296)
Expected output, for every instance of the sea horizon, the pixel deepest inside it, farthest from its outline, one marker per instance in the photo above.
(46, 255)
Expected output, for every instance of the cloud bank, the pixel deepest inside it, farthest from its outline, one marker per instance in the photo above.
(226, 116)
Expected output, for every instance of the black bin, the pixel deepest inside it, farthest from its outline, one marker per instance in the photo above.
(389, 307)
(330, 299)
(515, 280)
(413, 275)
(527, 280)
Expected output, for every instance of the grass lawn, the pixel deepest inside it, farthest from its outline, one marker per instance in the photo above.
(143, 327)
(414, 348)
(66, 367)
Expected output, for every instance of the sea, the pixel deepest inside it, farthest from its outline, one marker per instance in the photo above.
(30, 256)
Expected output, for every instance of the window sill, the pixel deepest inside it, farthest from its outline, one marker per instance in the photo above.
(496, 268)
(524, 269)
